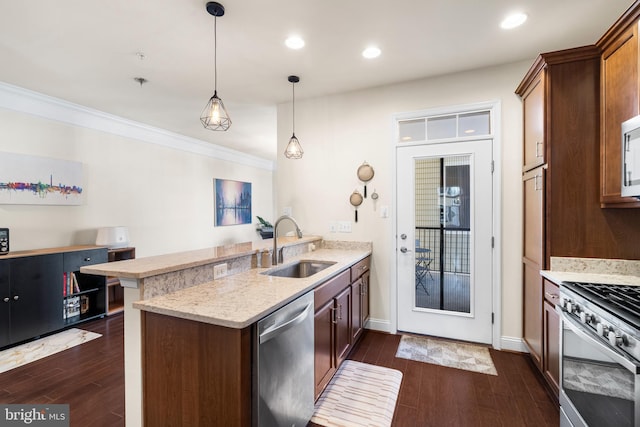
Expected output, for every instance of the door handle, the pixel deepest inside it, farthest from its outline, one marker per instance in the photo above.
(404, 250)
(276, 330)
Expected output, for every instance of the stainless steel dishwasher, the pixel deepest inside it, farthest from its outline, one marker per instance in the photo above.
(283, 370)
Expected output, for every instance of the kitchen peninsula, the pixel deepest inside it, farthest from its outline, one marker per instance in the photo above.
(179, 289)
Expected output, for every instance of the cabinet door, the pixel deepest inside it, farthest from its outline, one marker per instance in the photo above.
(343, 325)
(551, 345)
(619, 103)
(5, 304)
(356, 310)
(325, 362)
(534, 141)
(533, 211)
(532, 310)
(36, 293)
(365, 298)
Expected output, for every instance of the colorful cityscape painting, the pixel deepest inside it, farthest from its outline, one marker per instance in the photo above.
(232, 201)
(34, 180)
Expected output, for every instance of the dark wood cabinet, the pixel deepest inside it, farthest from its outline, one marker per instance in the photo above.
(560, 110)
(533, 111)
(33, 291)
(324, 361)
(342, 305)
(332, 301)
(619, 102)
(533, 261)
(360, 297)
(551, 368)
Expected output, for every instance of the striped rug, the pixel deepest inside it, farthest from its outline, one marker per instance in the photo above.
(359, 395)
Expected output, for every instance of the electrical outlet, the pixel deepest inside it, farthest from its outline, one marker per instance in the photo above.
(287, 211)
(344, 226)
(219, 271)
(333, 227)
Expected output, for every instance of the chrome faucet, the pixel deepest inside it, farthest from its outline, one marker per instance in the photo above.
(274, 256)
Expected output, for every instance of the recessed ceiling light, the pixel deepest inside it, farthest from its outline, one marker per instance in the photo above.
(371, 52)
(514, 20)
(294, 42)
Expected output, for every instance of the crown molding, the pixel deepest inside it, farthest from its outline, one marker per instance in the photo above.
(26, 101)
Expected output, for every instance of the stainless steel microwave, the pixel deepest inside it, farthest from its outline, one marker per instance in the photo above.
(631, 158)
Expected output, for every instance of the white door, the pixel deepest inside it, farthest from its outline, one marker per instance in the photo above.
(444, 231)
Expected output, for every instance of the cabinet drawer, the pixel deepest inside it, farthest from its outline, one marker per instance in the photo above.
(360, 268)
(331, 288)
(551, 292)
(72, 261)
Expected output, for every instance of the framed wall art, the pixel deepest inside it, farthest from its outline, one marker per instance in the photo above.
(232, 202)
(34, 180)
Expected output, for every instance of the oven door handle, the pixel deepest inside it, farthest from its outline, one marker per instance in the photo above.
(593, 338)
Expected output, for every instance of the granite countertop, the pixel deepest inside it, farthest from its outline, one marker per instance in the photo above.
(593, 270)
(241, 299)
(154, 265)
(610, 279)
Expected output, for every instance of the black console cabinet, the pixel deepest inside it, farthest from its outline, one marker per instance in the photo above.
(32, 291)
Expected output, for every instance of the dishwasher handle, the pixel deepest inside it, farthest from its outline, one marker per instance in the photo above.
(276, 330)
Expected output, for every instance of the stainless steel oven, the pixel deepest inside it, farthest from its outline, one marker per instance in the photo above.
(600, 355)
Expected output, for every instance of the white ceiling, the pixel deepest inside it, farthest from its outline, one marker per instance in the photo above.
(84, 51)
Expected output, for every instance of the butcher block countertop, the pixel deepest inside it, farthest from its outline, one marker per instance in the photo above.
(241, 299)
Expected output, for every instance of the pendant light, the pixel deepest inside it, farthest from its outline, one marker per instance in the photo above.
(293, 150)
(215, 116)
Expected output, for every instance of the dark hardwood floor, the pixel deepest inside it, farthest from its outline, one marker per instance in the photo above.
(432, 395)
(90, 378)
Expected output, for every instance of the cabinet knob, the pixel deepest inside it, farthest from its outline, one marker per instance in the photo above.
(15, 297)
(6, 299)
(87, 259)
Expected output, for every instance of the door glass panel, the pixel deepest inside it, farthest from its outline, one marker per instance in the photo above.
(441, 127)
(411, 130)
(443, 227)
(472, 124)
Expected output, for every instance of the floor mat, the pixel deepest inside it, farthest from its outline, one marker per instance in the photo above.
(470, 357)
(29, 352)
(359, 395)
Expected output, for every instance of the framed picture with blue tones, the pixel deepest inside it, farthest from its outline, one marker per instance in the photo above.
(232, 202)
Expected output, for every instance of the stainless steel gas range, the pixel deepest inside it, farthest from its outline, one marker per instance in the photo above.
(599, 355)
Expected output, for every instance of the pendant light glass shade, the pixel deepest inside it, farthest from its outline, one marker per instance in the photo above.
(215, 115)
(294, 149)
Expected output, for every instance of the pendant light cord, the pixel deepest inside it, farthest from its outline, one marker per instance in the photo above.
(215, 54)
(293, 89)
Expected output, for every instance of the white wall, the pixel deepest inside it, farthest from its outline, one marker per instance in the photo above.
(341, 131)
(164, 195)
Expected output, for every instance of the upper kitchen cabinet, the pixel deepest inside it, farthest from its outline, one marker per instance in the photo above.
(533, 108)
(619, 102)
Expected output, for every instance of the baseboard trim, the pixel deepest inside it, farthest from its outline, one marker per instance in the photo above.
(379, 325)
(513, 344)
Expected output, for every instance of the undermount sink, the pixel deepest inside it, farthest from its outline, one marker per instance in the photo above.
(300, 269)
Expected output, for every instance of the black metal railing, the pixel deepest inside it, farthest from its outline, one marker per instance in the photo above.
(449, 248)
